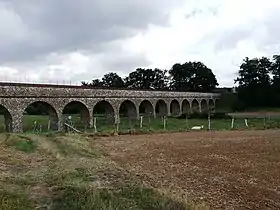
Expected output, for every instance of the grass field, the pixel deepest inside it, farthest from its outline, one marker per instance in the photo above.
(152, 125)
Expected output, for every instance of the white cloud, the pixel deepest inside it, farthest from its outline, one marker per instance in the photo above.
(219, 33)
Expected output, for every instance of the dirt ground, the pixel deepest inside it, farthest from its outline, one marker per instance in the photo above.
(225, 170)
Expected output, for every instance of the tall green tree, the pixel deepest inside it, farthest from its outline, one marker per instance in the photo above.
(254, 83)
(192, 76)
(147, 79)
(113, 80)
(275, 70)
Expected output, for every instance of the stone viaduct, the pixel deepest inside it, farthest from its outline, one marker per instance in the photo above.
(16, 97)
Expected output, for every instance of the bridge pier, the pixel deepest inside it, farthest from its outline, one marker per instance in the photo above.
(17, 123)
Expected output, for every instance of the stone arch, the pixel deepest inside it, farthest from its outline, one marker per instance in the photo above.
(195, 105)
(75, 108)
(204, 105)
(161, 108)
(186, 106)
(174, 107)
(128, 109)
(104, 109)
(211, 105)
(8, 120)
(146, 108)
(41, 113)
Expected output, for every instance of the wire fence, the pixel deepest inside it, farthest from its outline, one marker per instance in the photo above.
(146, 124)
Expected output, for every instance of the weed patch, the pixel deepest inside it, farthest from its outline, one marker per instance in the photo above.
(129, 197)
(21, 143)
(14, 201)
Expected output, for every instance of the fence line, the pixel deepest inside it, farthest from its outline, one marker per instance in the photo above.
(102, 124)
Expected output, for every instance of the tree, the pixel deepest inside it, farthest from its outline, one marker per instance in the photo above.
(94, 83)
(192, 76)
(112, 80)
(147, 79)
(254, 83)
(275, 70)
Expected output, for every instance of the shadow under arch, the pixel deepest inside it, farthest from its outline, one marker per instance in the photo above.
(174, 107)
(128, 109)
(211, 105)
(7, 119)
(75, 108)
(104, 113)
(186, 106)
(161, 108)
(195, 106)
(146, 108)
(204, 106)
(40, 116)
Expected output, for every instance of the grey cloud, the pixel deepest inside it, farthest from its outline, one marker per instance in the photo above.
(272, 28)
(124, 63)
(67, 25)
(263, 32)
(228, 39)
(193, 13)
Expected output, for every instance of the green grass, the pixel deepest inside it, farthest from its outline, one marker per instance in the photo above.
(126, 197)
(68, 172)
(14, 201)
(106, 126)
(22, 143)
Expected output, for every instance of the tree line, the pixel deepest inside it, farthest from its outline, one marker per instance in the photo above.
(258, 83)
(189, 76)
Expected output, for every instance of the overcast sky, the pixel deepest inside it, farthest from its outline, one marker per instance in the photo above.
(56, 40)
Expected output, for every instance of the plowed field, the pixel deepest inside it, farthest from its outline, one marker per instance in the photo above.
(224, 170)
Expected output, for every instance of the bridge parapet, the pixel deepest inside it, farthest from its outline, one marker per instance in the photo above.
(67, 92)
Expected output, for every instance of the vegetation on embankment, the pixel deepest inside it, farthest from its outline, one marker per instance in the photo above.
(70, 172)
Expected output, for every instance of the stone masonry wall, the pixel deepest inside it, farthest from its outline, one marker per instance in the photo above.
(15, 99)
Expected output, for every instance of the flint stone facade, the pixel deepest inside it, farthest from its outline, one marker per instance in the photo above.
(15, 98)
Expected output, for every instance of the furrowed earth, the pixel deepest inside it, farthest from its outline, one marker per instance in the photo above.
(223, 170)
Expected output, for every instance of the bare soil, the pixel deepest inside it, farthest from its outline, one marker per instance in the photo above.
(225, 170)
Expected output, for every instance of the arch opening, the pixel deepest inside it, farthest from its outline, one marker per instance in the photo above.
(7, 120)
(103, 111)
(128, 110)
(174, 108)
(40, 116)
(204, 106)
(146, 108)
(161, 108)
(195, 106)
(76, 114)
(211, 105)
(186, 106)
